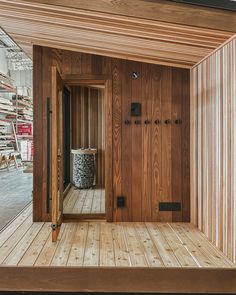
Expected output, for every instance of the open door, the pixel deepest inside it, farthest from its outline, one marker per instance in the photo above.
(57, 185)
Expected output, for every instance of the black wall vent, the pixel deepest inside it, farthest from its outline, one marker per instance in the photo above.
(169, 206)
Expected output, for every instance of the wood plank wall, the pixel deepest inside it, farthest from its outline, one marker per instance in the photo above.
(213, 148)
(87, 105)
(150, 162)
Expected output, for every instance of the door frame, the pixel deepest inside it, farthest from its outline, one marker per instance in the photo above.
(103, 80)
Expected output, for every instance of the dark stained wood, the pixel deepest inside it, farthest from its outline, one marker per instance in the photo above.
(126, 144)
(166, 97)
(156, 140)
(185, 146)
(147, 149)
(156, 280)
(38, 196)
(57, 161)
(117, 132)
(108, 106)
(137, 144)
(146, 163)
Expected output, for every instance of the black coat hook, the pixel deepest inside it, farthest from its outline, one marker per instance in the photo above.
(167, 121)
(137, 122)
(147, 122)
(127, 122)
(178, 121)
(157, 121)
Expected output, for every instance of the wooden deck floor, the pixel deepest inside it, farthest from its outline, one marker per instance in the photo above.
(24, 243)
(86, 201)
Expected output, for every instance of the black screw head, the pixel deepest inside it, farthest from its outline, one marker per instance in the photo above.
(135, 75)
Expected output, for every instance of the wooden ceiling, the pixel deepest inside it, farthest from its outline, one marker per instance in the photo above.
(124, 29)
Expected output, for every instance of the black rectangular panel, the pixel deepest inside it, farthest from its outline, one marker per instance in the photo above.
(222, 4)
(169, 206)
(120, 201)
(135, 109)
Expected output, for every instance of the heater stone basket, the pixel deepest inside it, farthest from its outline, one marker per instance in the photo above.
(84, 168)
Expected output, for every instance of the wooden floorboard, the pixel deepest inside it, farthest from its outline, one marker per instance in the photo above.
(86, 201)
(102, 244)
(110, 279)
(98, 256)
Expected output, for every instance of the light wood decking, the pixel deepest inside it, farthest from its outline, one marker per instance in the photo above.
(24, 243)
(86, 201)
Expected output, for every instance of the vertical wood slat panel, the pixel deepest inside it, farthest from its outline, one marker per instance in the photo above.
(87, 124)
(156, 140)
(143, 155)
(166, 188)
(137, 147)
(126, 148)
(233, 162)
(38, 135)
(147, 95)
(47, 62)
(193, 147)
(213, 86)
(117, 126)
(176, 141)
(185, 145)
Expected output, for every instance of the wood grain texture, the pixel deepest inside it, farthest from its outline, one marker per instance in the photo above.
(213, 147)
(139, 280)
(150, 162)
(57, 161)
(146, 39)
(101, 244)
(38, 193)
(84, 202)
(156, 10)
(88, 125)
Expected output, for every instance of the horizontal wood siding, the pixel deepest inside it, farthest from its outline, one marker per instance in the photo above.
(213, 148)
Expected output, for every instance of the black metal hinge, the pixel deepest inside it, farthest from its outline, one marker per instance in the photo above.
(55, 226)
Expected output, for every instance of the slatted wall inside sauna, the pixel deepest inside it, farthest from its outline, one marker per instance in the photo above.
(213, 151)
(150, 161)
(87, 105)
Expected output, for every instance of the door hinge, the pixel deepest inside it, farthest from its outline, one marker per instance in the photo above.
(55, 226)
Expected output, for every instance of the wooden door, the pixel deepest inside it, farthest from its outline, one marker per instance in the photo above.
(57, 185)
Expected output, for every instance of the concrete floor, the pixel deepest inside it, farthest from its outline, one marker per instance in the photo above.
(15, 193)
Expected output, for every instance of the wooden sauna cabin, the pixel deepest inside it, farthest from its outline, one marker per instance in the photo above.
(148, 90)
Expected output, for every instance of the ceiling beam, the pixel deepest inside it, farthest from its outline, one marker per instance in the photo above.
(160, 10)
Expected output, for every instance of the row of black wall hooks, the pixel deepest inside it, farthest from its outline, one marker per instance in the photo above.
(157, 122)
